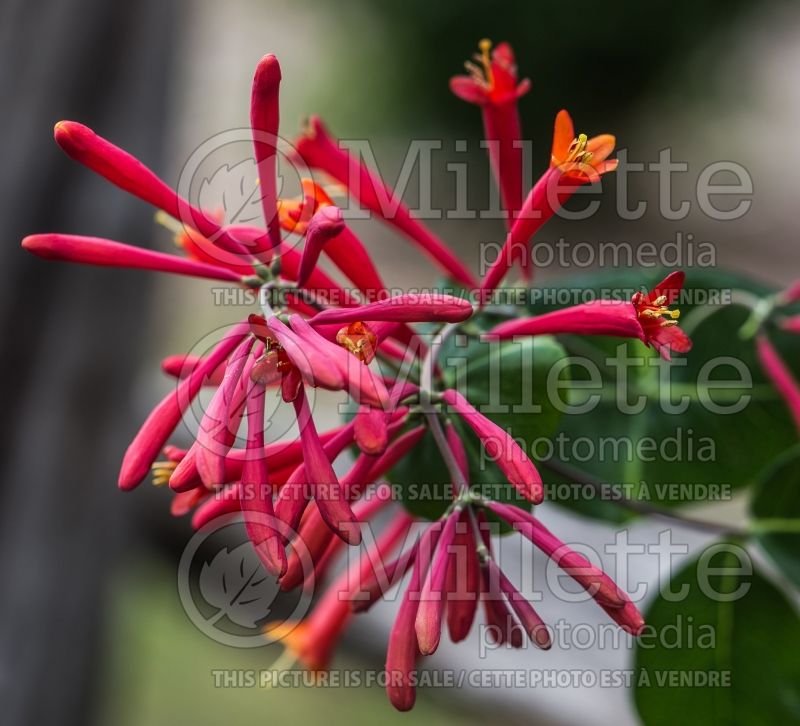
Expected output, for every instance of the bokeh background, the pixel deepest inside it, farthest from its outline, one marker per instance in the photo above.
(92, 630)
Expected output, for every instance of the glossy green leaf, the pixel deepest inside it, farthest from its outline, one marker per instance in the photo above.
(775, 508)
(708, 432)
(719, 660)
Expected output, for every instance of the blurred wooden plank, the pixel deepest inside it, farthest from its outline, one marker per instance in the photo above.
(69, 334)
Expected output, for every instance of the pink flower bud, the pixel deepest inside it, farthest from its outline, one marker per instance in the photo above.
(501, 447)
(107, 253)
(326, 224)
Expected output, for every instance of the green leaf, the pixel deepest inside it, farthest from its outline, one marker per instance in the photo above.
(508, 384)
(775, 509)
(703, 452)
(748, 643)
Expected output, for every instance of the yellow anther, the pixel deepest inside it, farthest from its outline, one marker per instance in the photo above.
(482, 73)
(170, 223)
(661, 312)
(577, 152)
(162, 471)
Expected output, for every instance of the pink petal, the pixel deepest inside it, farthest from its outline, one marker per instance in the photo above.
(359, 381)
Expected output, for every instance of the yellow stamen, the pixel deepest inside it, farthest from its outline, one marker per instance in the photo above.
(662, 311)
(485, 47)
(359, 340)
(481, 70)
(577, 152)
(170, 223)
(162, 471)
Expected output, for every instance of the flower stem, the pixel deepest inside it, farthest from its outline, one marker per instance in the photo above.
(644, 508)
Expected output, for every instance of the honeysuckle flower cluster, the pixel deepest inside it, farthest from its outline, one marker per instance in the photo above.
(313, 333)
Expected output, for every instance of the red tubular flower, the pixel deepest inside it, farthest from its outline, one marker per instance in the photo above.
(428, 623)
(493, 85)
(599, 585)
(463, 581)
(195, 245)
(647, 317)
(364, 509)
(312, 366)
(128, 173)
(165, 417)
(107, 253)
(371, 430)
(259, 514)
(528, 617)
(463, 571)
(319, 334)
(398, 449)
(214, 504)
(217, 429)
(313, 640)
(326, 224)
(232, 498)
(406, 308)
(359, 381)
(319, 543)
(184, 502)
(294, 496)
(575, 160)
(264, 120)
(319, 150)
(325, 486)
(366, 469)
(345, 250)
(401, 655)
(501, 447)
(180, 366)
(319, 281)
(781, 376)
(503, 625)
